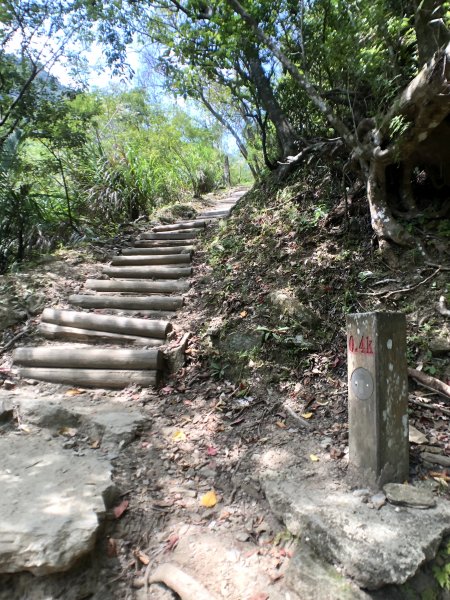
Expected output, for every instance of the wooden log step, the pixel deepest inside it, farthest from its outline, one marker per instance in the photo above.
(124, 325)
(216, 214)
(89, 358)
(105, 378)
(138, 286)
(76, 334)
(179, 234)
(200, 224)
(159, 250)
(162, 315)
(163, 259)
(148, 272)
(143, 243)
(128, 302)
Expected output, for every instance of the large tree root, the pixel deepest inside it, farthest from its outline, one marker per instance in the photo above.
(178, 581)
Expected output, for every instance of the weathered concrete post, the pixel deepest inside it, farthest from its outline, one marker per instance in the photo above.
(378, 398)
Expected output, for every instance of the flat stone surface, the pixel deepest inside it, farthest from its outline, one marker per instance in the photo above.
(49, 504)
(408, 495)
(309, 577)
(372, 547)
(111, 422)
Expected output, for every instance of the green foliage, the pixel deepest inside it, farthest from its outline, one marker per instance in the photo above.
(441, 568)
(96, 160)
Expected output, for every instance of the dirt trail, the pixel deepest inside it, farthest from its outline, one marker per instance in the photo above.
(184, 448)
(189, 463)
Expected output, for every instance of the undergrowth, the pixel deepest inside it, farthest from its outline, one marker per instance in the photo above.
(302, 238)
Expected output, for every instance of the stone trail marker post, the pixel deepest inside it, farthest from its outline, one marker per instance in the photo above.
(378, 398)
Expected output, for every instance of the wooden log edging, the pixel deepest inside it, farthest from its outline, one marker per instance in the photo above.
(137, 286)
(162, 259)
(107, 378)
(89, 358)
(196, 224)
(148, 272)
(123, 325)
(144, 243)
(52, 331)
(158, 251)
(180, 234)
(149, 303)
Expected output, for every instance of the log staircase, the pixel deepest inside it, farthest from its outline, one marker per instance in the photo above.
(150, 279)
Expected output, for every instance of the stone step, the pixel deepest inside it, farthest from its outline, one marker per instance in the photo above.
(138, 286)
(179, 234)
(188, 250)
(148, 272)
(147, 303)
(104, 378)
(89, 358)
(112, 324)
(52, 331)
(163, 259)
(200, 224)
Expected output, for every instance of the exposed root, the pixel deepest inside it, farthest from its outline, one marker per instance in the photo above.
(180, 582)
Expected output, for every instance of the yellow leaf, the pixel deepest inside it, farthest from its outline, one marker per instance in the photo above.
(307, 415)
(75, 392)
(280, 424)
(179, 436)
(314, 458)
(209, 499)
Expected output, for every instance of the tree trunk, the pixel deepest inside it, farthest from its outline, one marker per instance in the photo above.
(226, 171)
(286, 134)
(239, 142)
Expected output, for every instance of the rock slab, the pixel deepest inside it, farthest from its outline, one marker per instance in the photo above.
(372, 547)
(50, 504)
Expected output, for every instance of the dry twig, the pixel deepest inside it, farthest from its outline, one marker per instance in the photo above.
(444, 411)
(300, 420)
(402, 290)
(436, 385)
(14, 339)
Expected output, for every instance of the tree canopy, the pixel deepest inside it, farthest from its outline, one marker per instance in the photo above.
(363, 85)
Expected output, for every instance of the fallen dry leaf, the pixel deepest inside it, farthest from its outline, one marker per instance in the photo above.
(119, 510)
(95, 444)
(68, 431)
(142, 557)
(307, 415)
(111, 548)
(171, 542)
(336, 453)
(281, 424)
(209, 499)
(243, 313)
